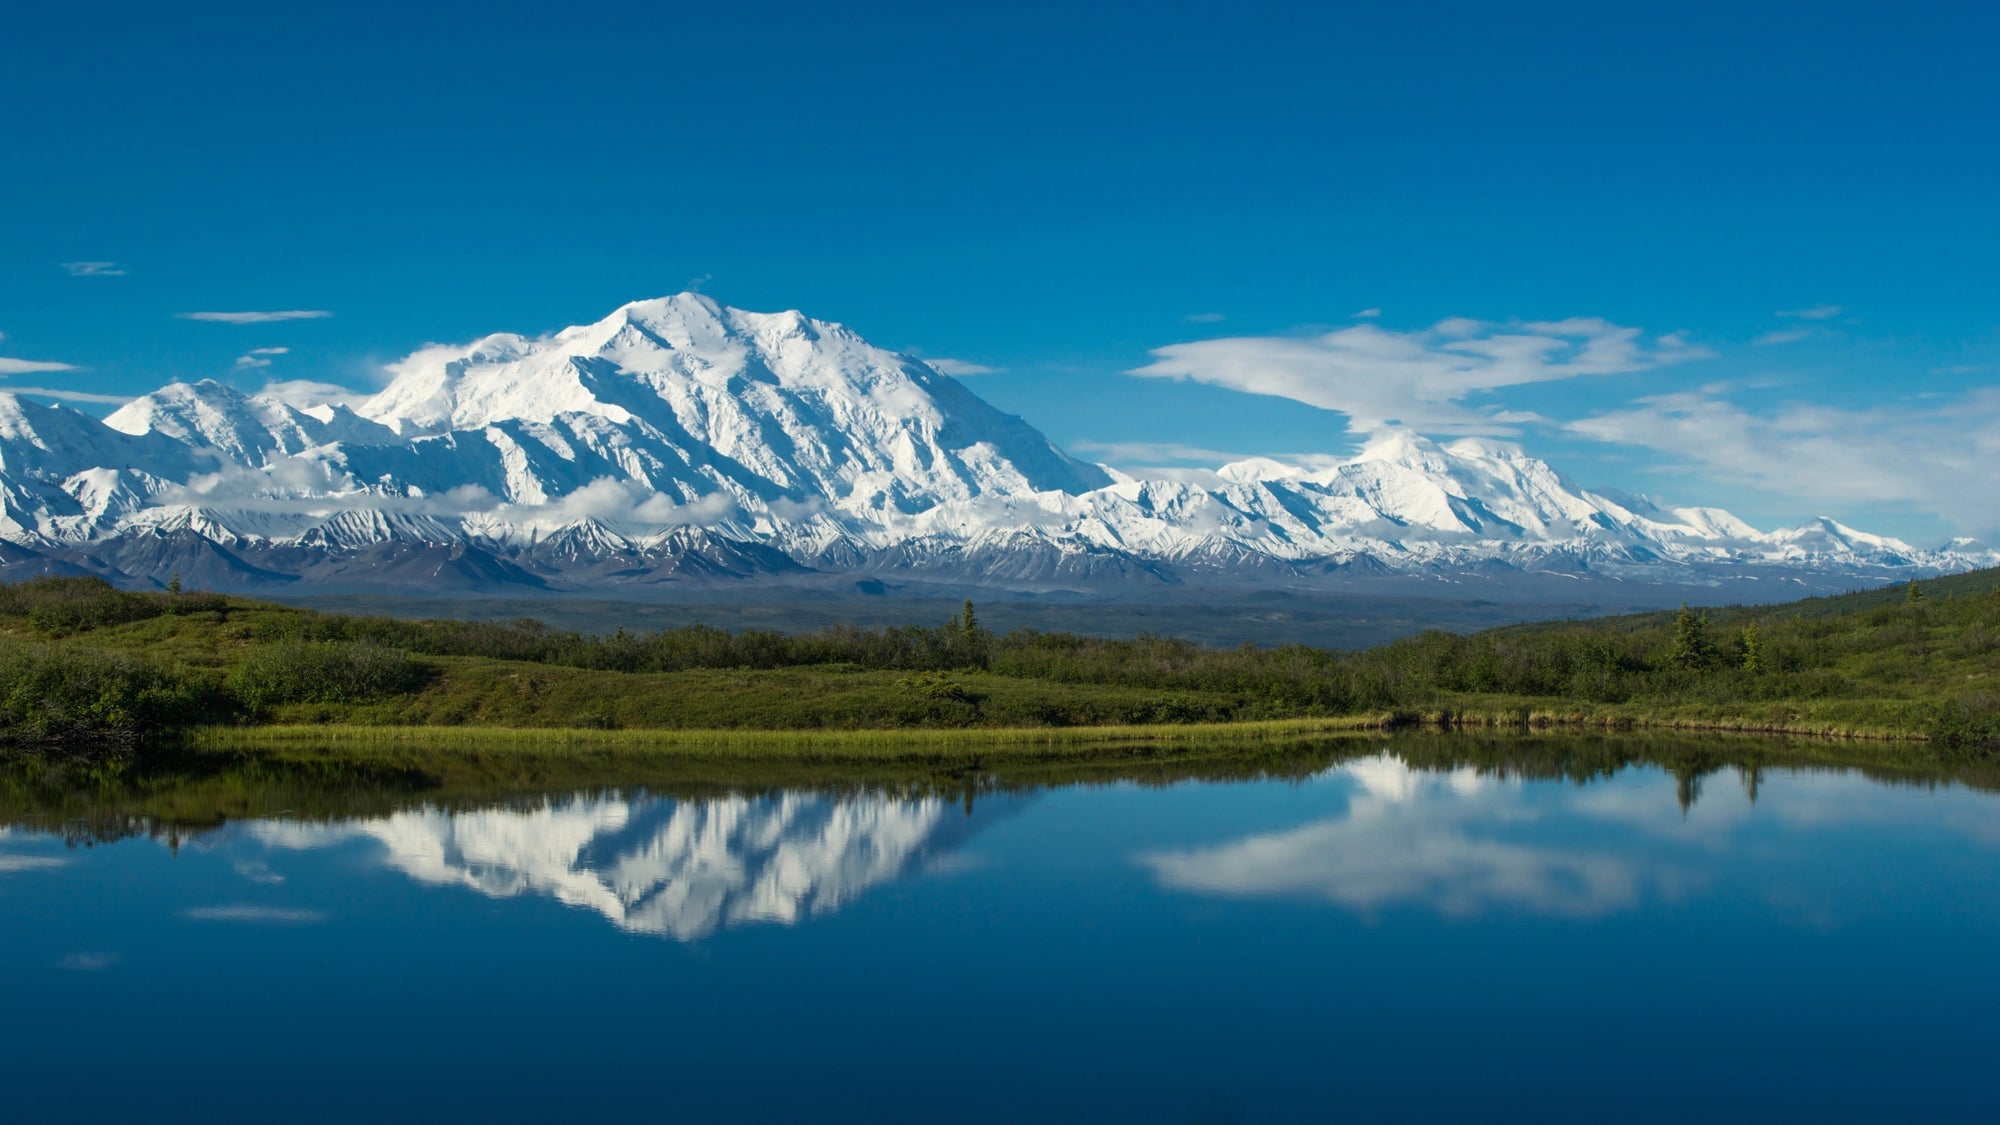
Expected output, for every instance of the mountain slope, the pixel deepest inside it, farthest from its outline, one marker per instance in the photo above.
(681, 441)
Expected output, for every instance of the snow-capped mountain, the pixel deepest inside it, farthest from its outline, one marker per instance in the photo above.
(678, 440)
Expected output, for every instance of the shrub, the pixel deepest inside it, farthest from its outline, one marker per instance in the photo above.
(63, 694)
(323, 672)
(190, 602)
(1971, 724)
(59, 607)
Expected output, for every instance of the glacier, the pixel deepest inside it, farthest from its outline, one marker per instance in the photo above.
(679, 442)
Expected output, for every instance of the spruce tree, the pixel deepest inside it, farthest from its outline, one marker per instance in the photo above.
(970, 636)
(1753, 650)
(1689, 650)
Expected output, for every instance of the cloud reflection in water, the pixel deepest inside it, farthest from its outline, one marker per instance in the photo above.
(1412, 837)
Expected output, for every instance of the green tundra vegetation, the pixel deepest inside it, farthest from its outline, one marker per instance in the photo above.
(83, 663)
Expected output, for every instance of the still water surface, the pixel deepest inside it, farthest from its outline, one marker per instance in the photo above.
(1359, 940)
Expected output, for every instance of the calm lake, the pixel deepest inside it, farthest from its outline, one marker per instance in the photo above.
(1395, 930)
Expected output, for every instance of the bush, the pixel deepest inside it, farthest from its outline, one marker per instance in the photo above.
(323, 672)
(189, 603)
(1967, 724)
(59, 607)
(62, 694)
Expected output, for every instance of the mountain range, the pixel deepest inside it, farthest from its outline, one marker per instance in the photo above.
(679, 444)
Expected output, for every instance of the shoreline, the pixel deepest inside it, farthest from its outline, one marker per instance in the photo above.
(926, 743)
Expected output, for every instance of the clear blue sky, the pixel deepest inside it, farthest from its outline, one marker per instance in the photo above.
(1056, 191)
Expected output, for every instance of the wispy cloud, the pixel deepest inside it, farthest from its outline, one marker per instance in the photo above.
(256, 317)
(257, 871)
(1382, 379)
(10, 863)
(68, 395)
(1368, 314)
(959, 368)
(255, 915)
(1782, 336)
(94, 269)
(259, 357)
(306, 393)
(1902, 454)
(1814, 319)
(1204, 318)
(31, 366)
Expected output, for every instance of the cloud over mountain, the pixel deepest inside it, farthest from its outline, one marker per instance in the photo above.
(1431, 380)
(678, 440)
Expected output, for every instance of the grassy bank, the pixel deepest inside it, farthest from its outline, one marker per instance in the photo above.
(956, 747)
(82, 664)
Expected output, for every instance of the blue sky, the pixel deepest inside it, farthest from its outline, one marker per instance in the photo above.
(1799, 200)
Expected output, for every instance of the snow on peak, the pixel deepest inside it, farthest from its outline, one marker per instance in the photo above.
(681, 426)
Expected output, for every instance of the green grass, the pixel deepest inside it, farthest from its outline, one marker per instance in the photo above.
(81, 661)
(939, 748)
(472, 691)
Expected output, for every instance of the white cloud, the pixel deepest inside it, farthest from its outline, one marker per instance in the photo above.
(1204, 318)
(1782, 336)
(69, 396)
(31, 366)
(259, 357)
(12, 862)
(256, 915)
(258, 871)
(1816, 312)
(958, 368)
(304, 393)
(1930, 457)
(1421, 379)
(1368, 314)
(94, 269)
(624, 501)
(256, 317)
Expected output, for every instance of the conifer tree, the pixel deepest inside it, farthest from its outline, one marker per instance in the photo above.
(1916, 592)
(1689, 650)
(1753, 650)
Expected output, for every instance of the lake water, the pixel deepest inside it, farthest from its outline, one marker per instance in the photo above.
(1352, 937)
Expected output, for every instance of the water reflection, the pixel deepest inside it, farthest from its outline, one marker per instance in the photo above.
(678, 868)
(1436, 839)
(1463, 843)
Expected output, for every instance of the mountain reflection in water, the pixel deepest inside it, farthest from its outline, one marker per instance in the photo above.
(678, 868)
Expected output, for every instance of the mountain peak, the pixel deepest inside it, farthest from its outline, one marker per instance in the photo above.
(679, 439)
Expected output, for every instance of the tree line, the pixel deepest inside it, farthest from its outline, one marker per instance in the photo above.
(58, 683)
